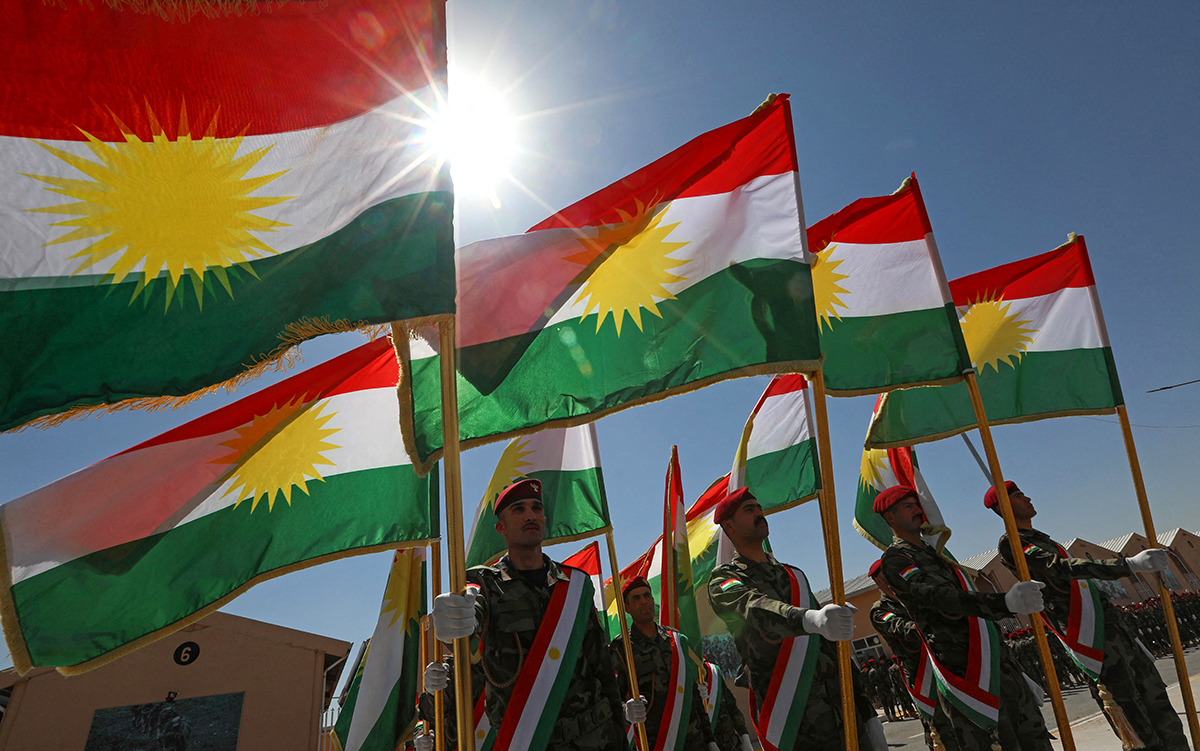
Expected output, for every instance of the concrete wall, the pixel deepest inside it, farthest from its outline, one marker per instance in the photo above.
(281, 671)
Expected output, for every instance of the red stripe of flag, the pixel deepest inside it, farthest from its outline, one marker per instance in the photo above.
(297, 65)
(896, 218)
(1043, 274)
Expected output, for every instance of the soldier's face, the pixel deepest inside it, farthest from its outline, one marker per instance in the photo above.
(749, 522)
(906, 516)
(639, 603)
(523, 523)
(1022, 506)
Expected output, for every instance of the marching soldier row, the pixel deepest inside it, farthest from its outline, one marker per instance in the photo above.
(544, 676)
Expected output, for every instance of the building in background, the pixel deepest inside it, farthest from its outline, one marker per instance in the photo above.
(224, 683)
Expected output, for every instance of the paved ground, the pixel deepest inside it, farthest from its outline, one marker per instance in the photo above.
(1089, 729)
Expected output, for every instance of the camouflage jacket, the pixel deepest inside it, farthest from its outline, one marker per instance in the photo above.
(652, 661)
(729, 725)
(937, 602)
(755, 609)
(508, 612)
(1047, 565)
(899, 632)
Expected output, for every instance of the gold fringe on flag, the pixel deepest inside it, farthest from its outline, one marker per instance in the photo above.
(183, 11)
(283, 358)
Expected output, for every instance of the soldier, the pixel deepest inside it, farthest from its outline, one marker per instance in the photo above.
(1107, 651)
(947, 610)
(439, 676)
(895, 626)
(526, 611)
(660, 660)
(781, 634)
(728, 723)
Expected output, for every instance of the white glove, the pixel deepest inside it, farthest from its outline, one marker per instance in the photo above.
(703, 692)
(423, 742)
(1039, 694)
(746, 744)
(875, 734)
(454, 616)
(437, 676)
(1025, 597)
(635, 710)
(712, 746)
(1155, 559)
(834, 622)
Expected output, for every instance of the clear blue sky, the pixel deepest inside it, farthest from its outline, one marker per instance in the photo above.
(1024, 121)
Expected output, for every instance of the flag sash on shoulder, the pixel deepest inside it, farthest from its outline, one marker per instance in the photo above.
(712, 683)
(485, 734)
(977, 695)
(542, 683)
(777, 720)
(677, 710)
(922, 689)
(1084, 638)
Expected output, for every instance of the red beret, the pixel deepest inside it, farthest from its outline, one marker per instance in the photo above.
(634, 583)
(728, 506)
(892, 496)
(518, 491)
(991, 499)
(875, 567)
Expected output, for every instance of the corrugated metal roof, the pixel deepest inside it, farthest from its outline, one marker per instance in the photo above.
(1117, 544)
(855, 586)
(979, 561)
(1167, 539)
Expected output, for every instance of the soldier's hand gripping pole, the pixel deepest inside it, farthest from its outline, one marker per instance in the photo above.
(1014, 540)
(439, 697)
(455, 553)
(833, 553)
(1185, 683)
(619, 599)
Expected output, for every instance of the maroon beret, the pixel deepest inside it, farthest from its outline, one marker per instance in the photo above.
(875, 567)
(518, 491)
(728, 506)
(893, 495)
(991, 499)
(634, 583)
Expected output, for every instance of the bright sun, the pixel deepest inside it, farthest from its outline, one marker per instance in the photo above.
(176, 204)
(638, 263)
(277, 451)
(476, 132)
(992, 334)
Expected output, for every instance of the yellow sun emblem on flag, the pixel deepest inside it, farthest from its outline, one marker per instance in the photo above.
(402, 596)
(870, 472)
(826, 288)
(177, 205)
(277, 451)
(635, 265)
(508, 468)
(701, 534)
(992, 334)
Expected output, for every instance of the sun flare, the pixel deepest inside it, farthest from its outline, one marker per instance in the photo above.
(476, 133)
(993, 334)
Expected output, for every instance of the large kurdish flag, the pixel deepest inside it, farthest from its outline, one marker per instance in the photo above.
(567, 462)
(886, 316)
(777, 456)
(380, 709)
(1037, 339)
(689, 271)
(182, 202)
(139, 545)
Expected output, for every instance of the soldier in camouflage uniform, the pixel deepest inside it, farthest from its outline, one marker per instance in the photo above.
(750, 594)
(504, 610)
(440, 677)
(1127, 672)
(939, 605)
(895, 626)
(652, 661)
(729, 726)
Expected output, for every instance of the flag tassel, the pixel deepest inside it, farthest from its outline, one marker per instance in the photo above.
(1014, 541)
(1185, 683)
(1125, 732)
(833, 552)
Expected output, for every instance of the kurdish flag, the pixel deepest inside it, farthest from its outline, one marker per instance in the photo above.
(689, 271)
(381, 706)
(1037, 339)
(567, 461)
(184, 201)
(139, 545)
(886, 316)
(588, 560)
(677, 605)
(777, 456)
(881, 469)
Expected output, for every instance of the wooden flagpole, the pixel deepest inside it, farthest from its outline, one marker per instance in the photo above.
(619, 599)
(833, 554)
(439, 697)
(1018, 553)
(1139, 485)
(456, 555)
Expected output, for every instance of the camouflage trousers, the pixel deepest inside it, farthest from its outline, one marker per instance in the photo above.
(821, 729)
(945, 730)
(1021, 725)
(1133, 680)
